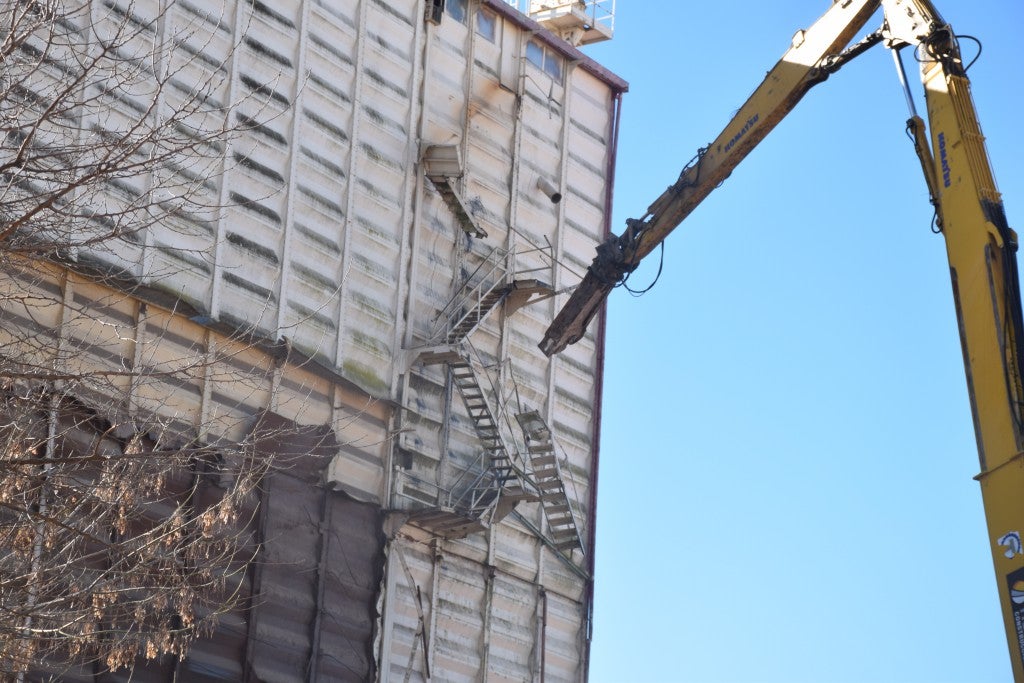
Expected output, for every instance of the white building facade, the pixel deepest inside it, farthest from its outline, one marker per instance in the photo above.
(417, 184)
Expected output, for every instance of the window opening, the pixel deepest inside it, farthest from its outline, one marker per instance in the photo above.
(457, 9)
(544, 59)
(486, 25)
(535, 54)
(552, 65)
(435, 9)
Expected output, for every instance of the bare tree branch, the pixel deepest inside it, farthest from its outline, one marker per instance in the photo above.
(122, 534)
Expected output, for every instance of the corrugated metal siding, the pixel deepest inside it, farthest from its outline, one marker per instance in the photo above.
(329, 227)
(513, 647)
(459, 623)
(198, 380)
(489, 141)
(316, 577)
(436, 258)
(321, 167)
(383, 151)
(315, 187)
(557, 130)
(182, 248)
(253, 230)
(412, 566)
(352, 580)
(563, 659)
(306, 604)
(459, 601)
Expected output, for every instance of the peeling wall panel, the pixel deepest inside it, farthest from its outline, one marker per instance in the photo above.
(459, 622)
(512, 654)
(564, 623)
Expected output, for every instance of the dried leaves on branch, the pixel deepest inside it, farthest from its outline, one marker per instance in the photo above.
(119, 536)
(114, 542)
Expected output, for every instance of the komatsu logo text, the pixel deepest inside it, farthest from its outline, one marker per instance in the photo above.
(751, 122)
(944, 160)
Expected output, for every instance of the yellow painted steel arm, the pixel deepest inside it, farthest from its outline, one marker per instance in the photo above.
(980, 245)
(981, 249)
(806, 63)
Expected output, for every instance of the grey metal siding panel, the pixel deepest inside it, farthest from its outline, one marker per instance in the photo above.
(352, 581)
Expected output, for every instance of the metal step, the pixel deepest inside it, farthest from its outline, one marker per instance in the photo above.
(483, 290)
(447, 523)
(495, 492)
(477, 313)
(435, 355)
(484, 421)
(458, 207)
(553, 498)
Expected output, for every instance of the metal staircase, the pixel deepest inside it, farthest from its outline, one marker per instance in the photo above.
(458, 207)
(499, 478)
(442, 164)
(481, 292)
(484, 423)
(548, 479)
(496, 490)
(480, 306)
(484, 289)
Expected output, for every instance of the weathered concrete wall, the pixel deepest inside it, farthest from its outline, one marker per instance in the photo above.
(307, 295)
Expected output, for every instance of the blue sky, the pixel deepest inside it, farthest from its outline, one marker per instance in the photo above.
(786, 486)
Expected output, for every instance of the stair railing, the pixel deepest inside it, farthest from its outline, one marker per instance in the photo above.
(485, 278)
(506, 429)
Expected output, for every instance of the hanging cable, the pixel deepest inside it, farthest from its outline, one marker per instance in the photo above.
(977, 56)
(939, 50)
(657, 276)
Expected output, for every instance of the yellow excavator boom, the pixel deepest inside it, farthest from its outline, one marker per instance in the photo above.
(980, 245)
